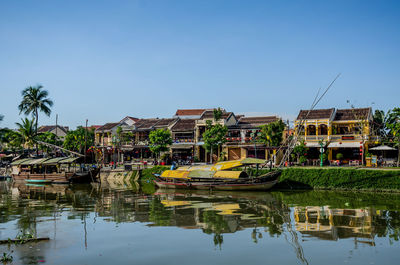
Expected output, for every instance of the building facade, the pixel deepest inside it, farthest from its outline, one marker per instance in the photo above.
(347, 132)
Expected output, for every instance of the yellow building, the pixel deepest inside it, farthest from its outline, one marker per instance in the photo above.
(343, 131)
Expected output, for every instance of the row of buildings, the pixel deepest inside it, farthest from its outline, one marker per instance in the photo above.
(187, 127)
(345, 131)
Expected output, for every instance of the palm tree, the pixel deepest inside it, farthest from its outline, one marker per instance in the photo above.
(27, 132)
(34, 99)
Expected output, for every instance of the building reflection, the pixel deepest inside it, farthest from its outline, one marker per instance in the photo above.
(328, 223)
(217, 213)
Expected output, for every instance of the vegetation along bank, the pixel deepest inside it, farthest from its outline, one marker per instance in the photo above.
(340, 178)
(310, 178)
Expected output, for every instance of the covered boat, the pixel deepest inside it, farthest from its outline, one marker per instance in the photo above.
(218, 176)
(57, 170)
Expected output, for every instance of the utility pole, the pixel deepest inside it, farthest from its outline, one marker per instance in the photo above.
(56, 125)
(85, 138)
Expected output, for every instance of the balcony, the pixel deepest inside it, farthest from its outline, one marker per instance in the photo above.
(315, 138)
(239, 140)
(183, 140)
(339, 137)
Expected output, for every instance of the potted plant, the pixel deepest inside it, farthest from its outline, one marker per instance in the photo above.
(339, 157)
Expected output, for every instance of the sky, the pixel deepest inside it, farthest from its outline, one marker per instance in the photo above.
(104, 60)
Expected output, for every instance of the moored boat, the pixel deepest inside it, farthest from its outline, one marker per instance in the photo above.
(217, 177)
(58, 170)
(39, 181)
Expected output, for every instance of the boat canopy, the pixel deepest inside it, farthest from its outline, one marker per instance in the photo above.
(175, 174)
(60, 160)
(230, 174)
(226, 165)
(206, 174)
(43, 161)
(201, 174)
(35, 161)
(19, 161)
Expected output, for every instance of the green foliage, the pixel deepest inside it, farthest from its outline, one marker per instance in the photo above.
(379, 125)
(10, 139)
(300, 151)
(24, 236)
(34, 99)
(75, 139)
(148, 173)
(217, 114)
(272, 133)
(393, 124)
(6, 258)
(159, 214)
(339, 156)
(48, 137)
(214, 136)
(339, 178)
(160, 139)
(27, 132)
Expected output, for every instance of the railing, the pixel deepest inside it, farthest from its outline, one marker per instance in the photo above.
(239, 139)
(314, 137)
(183, 140)
(339, 137)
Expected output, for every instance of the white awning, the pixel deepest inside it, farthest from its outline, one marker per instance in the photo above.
(345, 145)
(311, 144)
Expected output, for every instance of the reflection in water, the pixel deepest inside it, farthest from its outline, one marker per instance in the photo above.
(296, 217)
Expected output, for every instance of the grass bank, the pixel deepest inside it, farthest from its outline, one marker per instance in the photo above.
(340, 178)
(316, 178)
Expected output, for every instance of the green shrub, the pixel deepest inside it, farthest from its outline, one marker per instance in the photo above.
(339, 178)
(339, 156)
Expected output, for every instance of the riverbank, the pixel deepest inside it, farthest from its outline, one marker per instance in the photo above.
(294, 178)
(340, 179)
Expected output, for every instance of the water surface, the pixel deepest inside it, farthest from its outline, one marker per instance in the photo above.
(128, 224)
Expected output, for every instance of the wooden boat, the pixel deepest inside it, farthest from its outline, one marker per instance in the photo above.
(217, 177)
(58, 170)
(38, 181)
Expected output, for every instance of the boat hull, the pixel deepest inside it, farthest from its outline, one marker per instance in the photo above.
(60, 178)
(264, 183)
(224, 186)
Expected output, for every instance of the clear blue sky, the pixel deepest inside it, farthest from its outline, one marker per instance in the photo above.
(103, 60)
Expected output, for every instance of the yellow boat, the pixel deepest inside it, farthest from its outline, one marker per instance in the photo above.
(218, 176)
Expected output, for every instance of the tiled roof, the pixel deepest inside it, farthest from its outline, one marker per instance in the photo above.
(108, 126)
(164, 123)
(316, 114)
(133, 118)
(189, 112)
(352, 114)
(146, 124)
(184, 125)
(257, 120)
(48, 128)
(209, 114)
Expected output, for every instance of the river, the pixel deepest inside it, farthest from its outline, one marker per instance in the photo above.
(129, 224)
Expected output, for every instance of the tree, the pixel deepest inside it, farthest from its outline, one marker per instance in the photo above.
(1, 117)
(393, 124)
(50, 138)
(379, 125)
(299, 152)
(27, 132)
(75, 139)
(160, 139)
(215, 134)
(10, 139)
(34, 99)
(272, 133)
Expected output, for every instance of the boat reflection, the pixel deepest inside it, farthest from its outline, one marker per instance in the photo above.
(297, 216)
